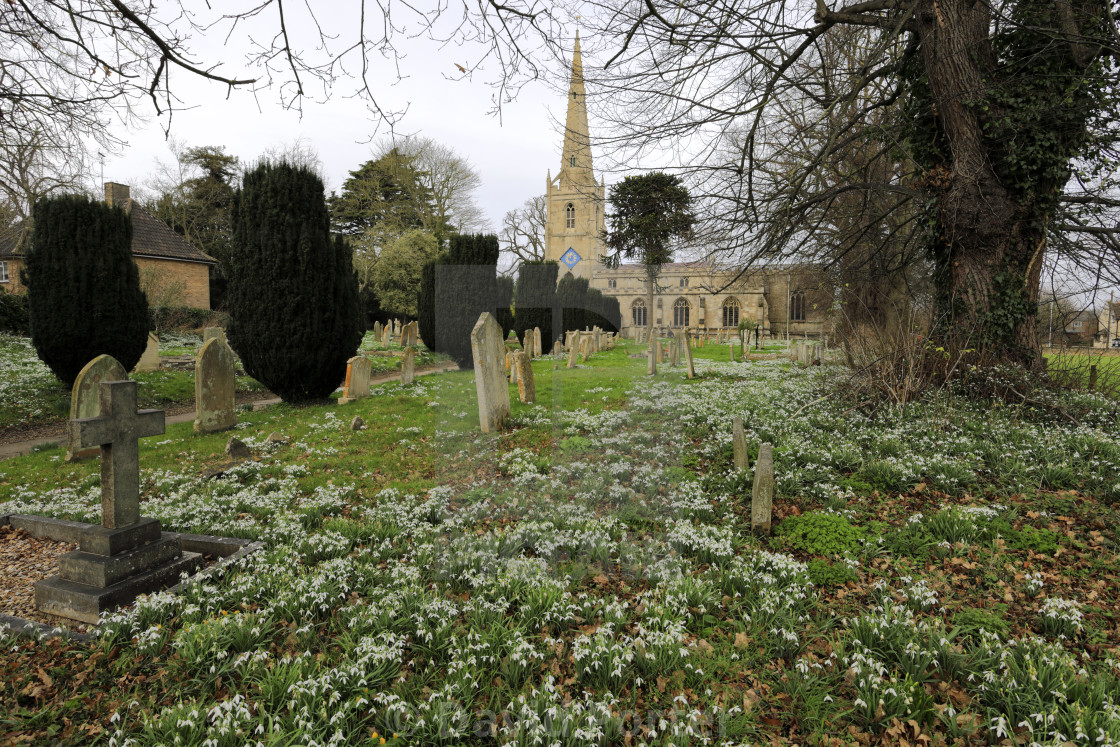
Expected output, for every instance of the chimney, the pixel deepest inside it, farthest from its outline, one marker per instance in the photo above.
(116, 194)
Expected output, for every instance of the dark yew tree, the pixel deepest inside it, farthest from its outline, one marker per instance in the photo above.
(455, 290)
(293, 296)
(84, 297)
(535, 298)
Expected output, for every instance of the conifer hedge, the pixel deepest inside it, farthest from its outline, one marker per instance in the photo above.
(503, 302)
(535, 298)
(455, 290)
(293, 296)
(83, 288)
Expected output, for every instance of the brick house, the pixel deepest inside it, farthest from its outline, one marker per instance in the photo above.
(172, 272)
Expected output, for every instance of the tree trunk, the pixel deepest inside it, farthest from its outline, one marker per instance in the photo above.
(988, 252)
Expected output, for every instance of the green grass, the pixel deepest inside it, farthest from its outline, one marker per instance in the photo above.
(594, 561)
(1071, 367)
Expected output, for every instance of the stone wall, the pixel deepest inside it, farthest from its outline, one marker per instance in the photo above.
(187, 281)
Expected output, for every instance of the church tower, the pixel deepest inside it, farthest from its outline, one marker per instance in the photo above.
(575, 221)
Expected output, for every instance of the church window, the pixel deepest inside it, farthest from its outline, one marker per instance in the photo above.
(3, 272)
(731, 313)
(570, 216)
(572, 161)
(612, 283)
(684, 282)
(638, 313)
(680, 313)
(797, 307)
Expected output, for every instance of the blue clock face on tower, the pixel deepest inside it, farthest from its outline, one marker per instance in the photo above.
(571, 258)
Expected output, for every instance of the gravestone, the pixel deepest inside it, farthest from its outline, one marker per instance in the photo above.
(127, 555)
(509, 360)
(762, 497)
(85, 397)
(573, 351)
(387, 336)
(413, 334)
(149, 361)
(731, 350)
(596, 342)
(674, 351)
(356, 385)
(739, 445)
(651, 357)
(408, 365)
(538, 342)
(209, 333)
(493, 391)
(526, 384)
(691, 370)
(584, 348)
(215, 381)
(660, 350)
(557, 348)
(377, 331)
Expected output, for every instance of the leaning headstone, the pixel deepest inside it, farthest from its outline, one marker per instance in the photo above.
(408, 365)
(127, 555)
(691, 371)
(762, 497)
(215, 382)
(85, 397)
(739, 445)
(149, 361)
(357, 380)
(526, 384)
(493, 391)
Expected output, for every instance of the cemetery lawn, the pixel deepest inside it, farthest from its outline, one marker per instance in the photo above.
(944, 573)
(32, 398)
(1073, 365)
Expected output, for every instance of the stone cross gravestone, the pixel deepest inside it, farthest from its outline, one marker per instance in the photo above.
(762, 497)
(526, 384)
(215, 382)
(408, 365)
(85, 397)
(490, 383)
(127, 555)
(149, 361)
(356, 385)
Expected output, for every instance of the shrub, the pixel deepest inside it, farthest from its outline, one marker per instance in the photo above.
(83, 288)
(13, 314)
(293, 296)
(535, 299)
(822, 573)
(821, 534)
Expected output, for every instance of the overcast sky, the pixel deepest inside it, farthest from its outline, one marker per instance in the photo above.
(512, 154)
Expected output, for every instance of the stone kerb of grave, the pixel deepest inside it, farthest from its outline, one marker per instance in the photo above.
(127, 555)
(215, 383)
(85, 397)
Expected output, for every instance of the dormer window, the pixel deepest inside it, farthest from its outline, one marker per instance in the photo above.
(570, 213)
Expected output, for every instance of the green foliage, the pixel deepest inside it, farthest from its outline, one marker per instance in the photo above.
(199, 207)
(84, 296)
(821, 534)
(293, 296)
(647, 213)
(395, 278)
(426, 303)
(14, 318)
(971, 620)
(535, 300)
(1042, 541)
(825, 574)
(387, 191)
(186, 318)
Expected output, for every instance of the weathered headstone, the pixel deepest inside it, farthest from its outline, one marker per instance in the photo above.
(584, 348)
(356, 385)
(731, 350)
(149, 361)
(357, 423)
(526, 384)
(739, 445)
(557, 348)
(538, 342)
(762, 497)
(573, 351)
(651, 356)
(493, 391)
(237, 450)
(377, 331)
(127, 555)
(85, 397)
(691, 371)
(209, 333)
(215, 382)
(408, 365)
(387, 336)
(660, 350)
(596, 341)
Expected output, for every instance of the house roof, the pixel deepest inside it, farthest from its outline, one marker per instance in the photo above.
(151, 237)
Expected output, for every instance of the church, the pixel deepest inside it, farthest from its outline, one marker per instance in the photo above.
(783, 301)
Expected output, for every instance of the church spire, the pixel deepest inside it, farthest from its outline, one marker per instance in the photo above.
(576, 168)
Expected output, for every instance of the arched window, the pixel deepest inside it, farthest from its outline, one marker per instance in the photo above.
(572, 161)
(797, 307)
(684, 282)
(680, 313)
(731, 313)
(570, 220)
(638, 313)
